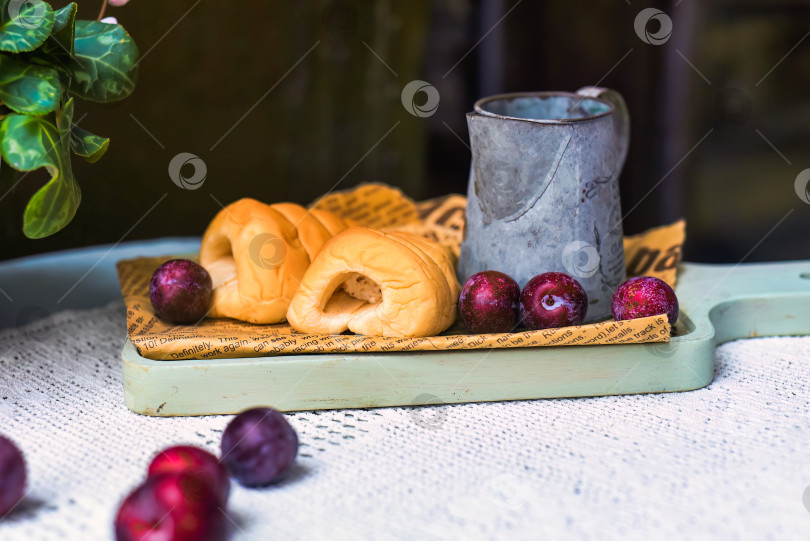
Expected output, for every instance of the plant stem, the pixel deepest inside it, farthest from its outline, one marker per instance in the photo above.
(103, 9)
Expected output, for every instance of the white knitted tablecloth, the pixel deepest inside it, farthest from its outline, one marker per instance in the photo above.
(731, 461)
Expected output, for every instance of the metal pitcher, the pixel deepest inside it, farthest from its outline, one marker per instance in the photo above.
(543, 193)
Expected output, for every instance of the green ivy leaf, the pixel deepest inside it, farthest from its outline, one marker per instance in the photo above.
(28, 88)
(34, 142)
(65, 18)
(105, 67)
(89, 146)
(24, 24)
(61, 39)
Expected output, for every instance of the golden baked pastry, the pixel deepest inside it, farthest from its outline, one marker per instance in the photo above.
(256, 255)
(377, 283)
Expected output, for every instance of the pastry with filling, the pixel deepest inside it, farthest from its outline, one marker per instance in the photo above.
(257, 254)
(377, 283)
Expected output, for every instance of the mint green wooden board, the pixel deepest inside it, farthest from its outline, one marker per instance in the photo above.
(718, 303)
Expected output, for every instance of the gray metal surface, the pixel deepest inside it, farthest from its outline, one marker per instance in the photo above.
(543, 193)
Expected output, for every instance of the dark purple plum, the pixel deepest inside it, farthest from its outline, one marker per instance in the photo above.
(258, 445)
(180, 291)
(12, 475)
(179, 506)
(489, 302)
(189, 458)
(552, 299)
(644, 296)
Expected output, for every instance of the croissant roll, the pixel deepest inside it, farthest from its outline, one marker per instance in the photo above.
(311, 231)
(257, 254)
(440, 254)
(376, 283)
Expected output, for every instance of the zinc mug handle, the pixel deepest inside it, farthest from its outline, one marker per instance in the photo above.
(621, 119)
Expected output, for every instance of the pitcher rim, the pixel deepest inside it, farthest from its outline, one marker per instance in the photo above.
(477, 109)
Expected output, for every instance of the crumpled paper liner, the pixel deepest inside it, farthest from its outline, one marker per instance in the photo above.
(654, 253)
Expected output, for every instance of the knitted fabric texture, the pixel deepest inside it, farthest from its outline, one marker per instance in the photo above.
(730, 461)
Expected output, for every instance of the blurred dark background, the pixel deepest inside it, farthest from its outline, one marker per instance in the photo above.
(288, 100)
